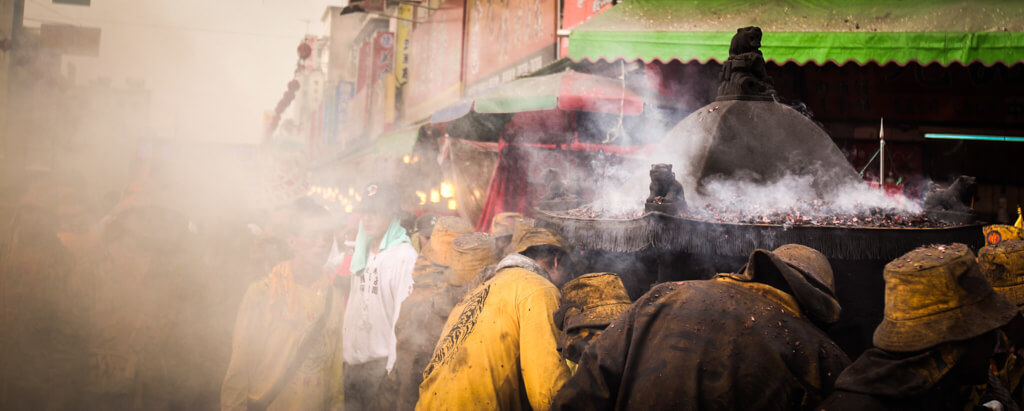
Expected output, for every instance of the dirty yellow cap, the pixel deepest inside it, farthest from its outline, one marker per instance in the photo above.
(592, 300)
(1003, 265)
(526, 236)
(504, 224)
(996, 233)
(937, 294)
(470, 254)
(446, 229)
(810, 262)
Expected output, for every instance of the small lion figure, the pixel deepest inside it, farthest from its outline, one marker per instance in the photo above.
(558, 188)
(743, 74)
(956, 197)
(666, 194)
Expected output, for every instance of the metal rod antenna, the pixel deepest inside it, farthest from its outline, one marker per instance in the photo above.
(881, 154)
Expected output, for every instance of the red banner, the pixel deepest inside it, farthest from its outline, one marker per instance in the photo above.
(383, 55)
(506, 39)
(435, 59)
(364, 74)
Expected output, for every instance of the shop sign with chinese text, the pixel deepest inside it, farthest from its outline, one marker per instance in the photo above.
(435, 62)
(506, 39)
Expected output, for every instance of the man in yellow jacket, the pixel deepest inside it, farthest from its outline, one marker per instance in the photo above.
(498, 349)
(286, 353)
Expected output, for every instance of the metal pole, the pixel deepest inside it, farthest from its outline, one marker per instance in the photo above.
(881, 155)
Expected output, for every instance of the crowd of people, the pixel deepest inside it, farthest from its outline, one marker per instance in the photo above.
(312, 312)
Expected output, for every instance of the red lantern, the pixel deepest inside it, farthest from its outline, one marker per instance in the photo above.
(305, 51)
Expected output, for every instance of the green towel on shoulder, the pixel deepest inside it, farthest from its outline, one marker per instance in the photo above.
(394, 236)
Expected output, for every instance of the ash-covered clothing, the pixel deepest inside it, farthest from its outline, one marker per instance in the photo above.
(718, 344)
(375, 299)
(275, 317)
(419, 325)
(1010, 371)
(498, 348)
(882, 380)
(43, 329)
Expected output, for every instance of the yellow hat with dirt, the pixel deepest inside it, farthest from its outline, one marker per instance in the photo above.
(996, 233)
(592, 300)
(937, 294)
(446, 229)
(1003, 265)
(470, 254)
(528, 236)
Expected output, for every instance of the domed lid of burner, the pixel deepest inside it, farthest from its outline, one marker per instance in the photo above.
(759, 141)
(746, 134)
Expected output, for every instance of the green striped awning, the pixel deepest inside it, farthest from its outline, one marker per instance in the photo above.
(803, 31)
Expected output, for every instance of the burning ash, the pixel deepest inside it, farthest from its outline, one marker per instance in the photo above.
(790, 201)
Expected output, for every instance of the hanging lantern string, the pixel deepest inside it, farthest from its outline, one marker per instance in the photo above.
(614, 133)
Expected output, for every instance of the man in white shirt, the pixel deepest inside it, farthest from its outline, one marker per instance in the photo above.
(382, 264)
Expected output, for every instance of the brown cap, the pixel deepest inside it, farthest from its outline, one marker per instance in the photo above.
(470, 254)
(805, 270)
(1003, 265)
(445, 231)
(528, 236)
(935, 295)
(810, 262)
(425, 224)
(504, 224)
(592, 300)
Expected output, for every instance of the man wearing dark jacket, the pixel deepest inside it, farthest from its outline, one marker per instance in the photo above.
(747, 340)
(936, 339)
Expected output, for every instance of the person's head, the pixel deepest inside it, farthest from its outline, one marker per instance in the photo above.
(547, 248)
(555, 260)
(425, 225)
(972, 368)
(309, 234)
(407, 220)
(380, 205)
(935, 295)
(503, 226)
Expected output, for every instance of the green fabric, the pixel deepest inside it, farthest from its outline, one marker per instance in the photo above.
(397, 143)
(804, 31)
(395, 235)
(525, 94)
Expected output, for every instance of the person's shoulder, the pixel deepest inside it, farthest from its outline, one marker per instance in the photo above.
(259, 289)
(524, 283)
(675, 291)
(402, 250)
(522, 275)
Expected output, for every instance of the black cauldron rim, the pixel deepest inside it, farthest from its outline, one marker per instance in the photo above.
(659, 231)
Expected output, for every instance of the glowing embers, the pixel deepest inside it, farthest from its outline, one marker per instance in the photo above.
(814, 213)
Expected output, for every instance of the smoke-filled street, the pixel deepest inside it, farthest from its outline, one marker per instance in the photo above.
(547, 204)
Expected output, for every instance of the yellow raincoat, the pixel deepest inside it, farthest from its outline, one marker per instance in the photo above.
(498, 348)
(274, 318)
